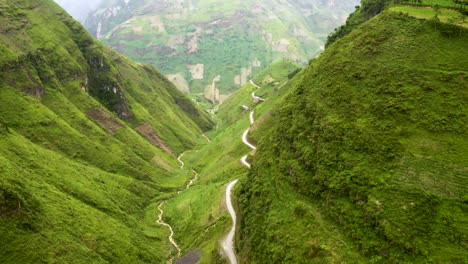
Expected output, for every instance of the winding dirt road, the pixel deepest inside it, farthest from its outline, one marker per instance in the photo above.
(251, 118)
(207, 138)
(244, 139)
(244, 161)
(254, 84)
(228, 242)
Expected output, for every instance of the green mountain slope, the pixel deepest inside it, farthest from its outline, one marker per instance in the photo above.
(194, 42)
(88, 144)
(198, 216)
(366, 160)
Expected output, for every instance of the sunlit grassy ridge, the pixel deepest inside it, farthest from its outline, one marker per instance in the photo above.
(88, 144)
(366, 161)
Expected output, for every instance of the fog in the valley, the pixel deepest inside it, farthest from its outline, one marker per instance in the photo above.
(79, 9)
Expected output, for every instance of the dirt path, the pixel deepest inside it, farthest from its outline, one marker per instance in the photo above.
(257, 98)
(251, 82)
(244, 139)
(228, 242)
(207, 139)
(244, 161)
(252, 118)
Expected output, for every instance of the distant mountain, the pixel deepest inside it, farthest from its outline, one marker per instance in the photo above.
(211, 48)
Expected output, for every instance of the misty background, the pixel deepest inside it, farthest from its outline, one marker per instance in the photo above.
(79, 9)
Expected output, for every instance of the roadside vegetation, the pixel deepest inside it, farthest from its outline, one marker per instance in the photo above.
(365, 160)
(199, 216)
(88, 141)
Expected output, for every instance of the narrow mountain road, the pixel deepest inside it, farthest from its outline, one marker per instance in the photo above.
(244, 139)
(228, 243)
(251, 116)
(244, 161)
(257, 98)
(251, 82)
(207, 138)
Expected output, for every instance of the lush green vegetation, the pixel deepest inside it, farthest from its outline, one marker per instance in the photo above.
(365, 161)
(198, 215)
(446, 11)
(88, 144)
(361, 156)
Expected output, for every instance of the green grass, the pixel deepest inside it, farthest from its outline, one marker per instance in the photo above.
(198, 215)
(75, 188)
(372, 141)
(445, 16)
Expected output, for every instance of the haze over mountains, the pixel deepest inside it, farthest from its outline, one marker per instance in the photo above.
(211, 48)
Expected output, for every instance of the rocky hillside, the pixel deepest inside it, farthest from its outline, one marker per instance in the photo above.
(211, 48)
(366, 160)
(88, 142)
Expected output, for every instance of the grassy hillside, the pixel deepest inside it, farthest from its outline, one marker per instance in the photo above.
(446, 11)
(366, 161)
(199, 216)
(234, 40)
(88, 144)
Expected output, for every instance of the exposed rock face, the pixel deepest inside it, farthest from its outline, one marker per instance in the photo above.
(197, 71)
(152, 136)
(212, 92)
(179, 81)
(281, 46)
(108, 122)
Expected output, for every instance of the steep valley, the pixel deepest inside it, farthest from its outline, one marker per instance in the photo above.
(358, 157)
(211, 48)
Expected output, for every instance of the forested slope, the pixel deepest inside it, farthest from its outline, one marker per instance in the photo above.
(366, 161)
(88, 143)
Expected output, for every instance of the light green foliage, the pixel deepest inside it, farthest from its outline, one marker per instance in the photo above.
(78, 182)
(444, 15)
(198, 215)
(365, 161)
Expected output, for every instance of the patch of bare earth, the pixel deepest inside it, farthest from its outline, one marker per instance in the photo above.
(191, 258)
(106, 120)
(197, 71)
(147, 131)
(179, 81)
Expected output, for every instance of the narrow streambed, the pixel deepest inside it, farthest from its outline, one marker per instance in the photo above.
(161, 213)
(171, 235)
